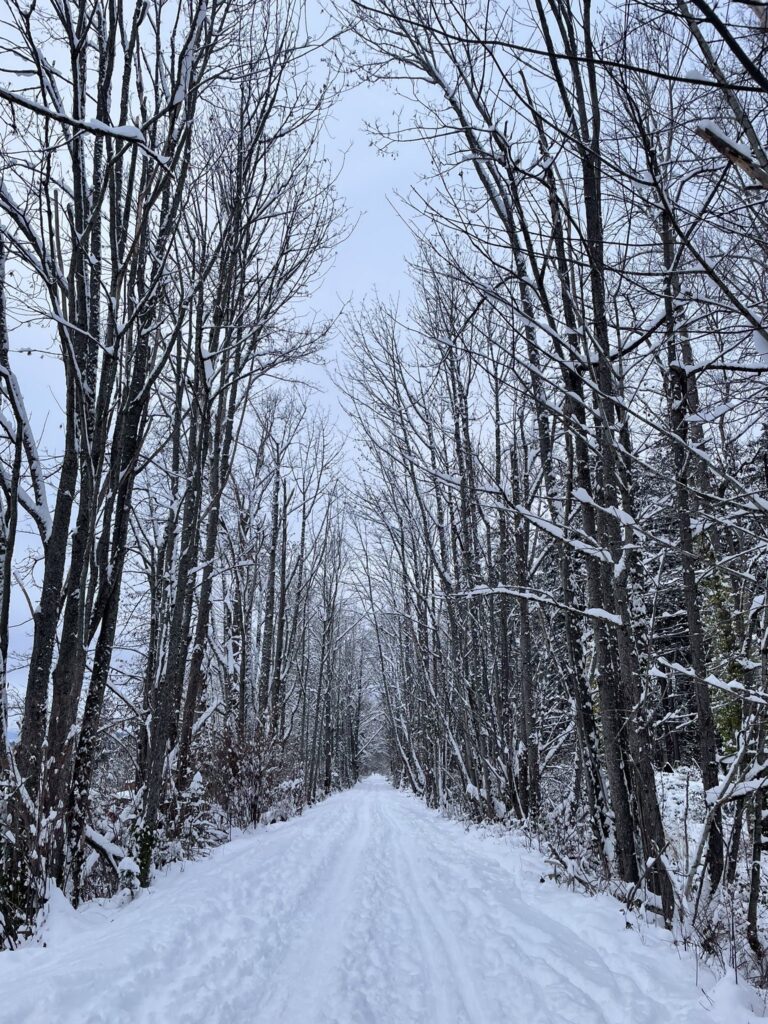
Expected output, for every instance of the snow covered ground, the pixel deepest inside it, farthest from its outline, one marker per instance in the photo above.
(369, 909)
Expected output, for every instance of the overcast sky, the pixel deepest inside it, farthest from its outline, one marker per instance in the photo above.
(374, 256)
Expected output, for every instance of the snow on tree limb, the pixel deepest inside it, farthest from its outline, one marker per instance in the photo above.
(739, 155)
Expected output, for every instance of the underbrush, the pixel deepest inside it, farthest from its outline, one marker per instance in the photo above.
(192, 822)
(713, 924)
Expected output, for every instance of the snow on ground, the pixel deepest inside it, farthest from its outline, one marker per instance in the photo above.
(368, 909)
(681, 798)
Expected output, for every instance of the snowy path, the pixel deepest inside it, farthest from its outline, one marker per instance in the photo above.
(369, 909)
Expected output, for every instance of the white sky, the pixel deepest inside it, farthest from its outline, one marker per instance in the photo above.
(374, 256)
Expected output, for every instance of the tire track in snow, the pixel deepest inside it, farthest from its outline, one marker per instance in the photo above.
(477, 904)
(316, 952)
(456, 997)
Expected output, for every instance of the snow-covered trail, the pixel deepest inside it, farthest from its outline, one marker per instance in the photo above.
(368, 909)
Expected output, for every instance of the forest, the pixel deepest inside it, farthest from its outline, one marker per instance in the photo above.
(521, 569)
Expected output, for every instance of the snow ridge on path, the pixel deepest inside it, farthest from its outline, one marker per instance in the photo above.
(368, 909)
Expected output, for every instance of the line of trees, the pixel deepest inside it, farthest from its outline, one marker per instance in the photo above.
(553, 564)
(565, 469)
(165, 210)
